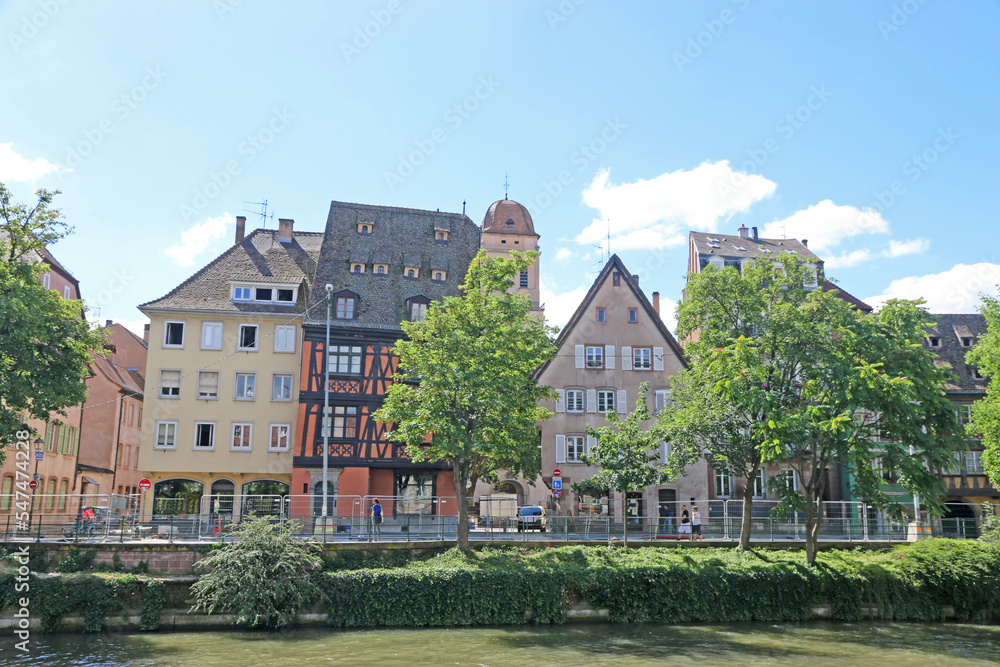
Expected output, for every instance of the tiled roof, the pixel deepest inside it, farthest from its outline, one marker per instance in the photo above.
(849, 298)
(731, 245)
(399, 237)
(259, 258)
(950, 329)
(131, 381)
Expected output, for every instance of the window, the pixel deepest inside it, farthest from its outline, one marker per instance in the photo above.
(345, 308)
(974, 463)
(964, 414)
(633, 315)
(170, 384)
(131, 414)
(211, 335)
(723, 484)
(418, 311)
(138, 420)
(248, 337)
(791, 480)
(246, 384)
(173, 334)
(281, 388)
(606, 401)
(279, 441)
(285, 295)
(976, 374)
(441, 236)
(242, 437)
(412, 271)
(661, 400)
(616, 279)
(67, 293)
(439, 276)
(357, 268)
(242, 294)
(50, 491)
(6, 492)
(46, 280)
(966, 340)
(574, 448)
(166, 435)
(734, 263)
(262, 294)
(204, 435)
(574, 400)
(601, 315)
(758, 484)
(345, 421)
(524, 278)
(63, 492)
(595, 356)
(642, 358)
(364, 229)
(934, 341)
(345, 359)
(284, 338)
(208, 384)
(381, 269)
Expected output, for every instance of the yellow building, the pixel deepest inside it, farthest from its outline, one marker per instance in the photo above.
(222, 377)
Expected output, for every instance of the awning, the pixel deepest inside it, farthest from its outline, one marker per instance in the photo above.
(90, 481)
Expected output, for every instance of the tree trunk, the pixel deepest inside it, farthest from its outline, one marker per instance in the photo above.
(745, 524)
(624, 520)
(814, 517)
(460, 473)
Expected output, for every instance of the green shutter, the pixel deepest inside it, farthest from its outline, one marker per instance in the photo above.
(76, 441)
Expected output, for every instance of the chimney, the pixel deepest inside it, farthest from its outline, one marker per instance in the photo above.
(656, 302)
(108, 323)
(805, 242)
(241, 228)
(754, 230)
(743, 232)
(145, 333)
(635, 280)
(285, 229)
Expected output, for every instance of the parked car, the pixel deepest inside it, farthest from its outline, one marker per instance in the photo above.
(531, 517)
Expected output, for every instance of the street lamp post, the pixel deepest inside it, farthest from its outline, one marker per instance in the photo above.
(326, 405)
(39, 455)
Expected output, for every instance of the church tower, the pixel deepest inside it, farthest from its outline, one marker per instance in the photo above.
(508, 226)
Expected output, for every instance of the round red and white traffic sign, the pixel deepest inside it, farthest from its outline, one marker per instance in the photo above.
(32, 484)
(144, 484)
(556, 472)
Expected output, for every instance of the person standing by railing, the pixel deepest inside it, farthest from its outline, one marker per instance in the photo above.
(695, 523)
(377, 521)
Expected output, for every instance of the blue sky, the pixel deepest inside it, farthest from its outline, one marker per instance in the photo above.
(869, 128)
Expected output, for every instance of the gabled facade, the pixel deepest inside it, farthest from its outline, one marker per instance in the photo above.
(614, 342)
(222, 376)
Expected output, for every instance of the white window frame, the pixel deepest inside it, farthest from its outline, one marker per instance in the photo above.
(236, 386)
(578, 443)
(194, 441)
(214, 326)
(46, 280)
(239, 337)
(633, 315)
(602, 315)
(248, 297)
(596, 351)
(604, 396)
(67, 292)
(354, 353)
(245, 430)
(287, 438)
(723, 479)
(209, 397)
(760, 484)
(170, 427)
(161, 386)
(291, 387)
(575, 401)
(642, 358)
(166, 328)
(284, 330)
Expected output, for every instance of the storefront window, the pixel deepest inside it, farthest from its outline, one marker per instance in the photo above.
(415, 492)
(177, 496)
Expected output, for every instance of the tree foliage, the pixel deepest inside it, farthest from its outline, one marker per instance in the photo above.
(626, 451)
(45, 342)
(985, 356)
(476, 403)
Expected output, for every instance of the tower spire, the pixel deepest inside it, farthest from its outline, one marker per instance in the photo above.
(505, 185)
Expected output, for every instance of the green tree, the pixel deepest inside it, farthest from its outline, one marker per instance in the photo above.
(474, 401)
(264, 577)
(626, 453)
(985, 356)
(44, 339)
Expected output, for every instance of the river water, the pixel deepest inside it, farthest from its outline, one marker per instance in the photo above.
(592, 645)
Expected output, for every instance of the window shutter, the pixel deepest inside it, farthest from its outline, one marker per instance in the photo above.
(664, 452)
(609, 357)
(591, 400)
(626, 358)
(591, 442)
(580, 356)
(621, 402)
(661, 400)
(560, 449)
(657, 358)
(560, 400)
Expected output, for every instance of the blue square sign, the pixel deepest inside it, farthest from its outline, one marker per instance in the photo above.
(556, 484)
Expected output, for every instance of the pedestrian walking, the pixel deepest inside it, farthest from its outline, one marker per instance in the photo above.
(695, 523)
(668, 518)
(377, 521)
(685, 525)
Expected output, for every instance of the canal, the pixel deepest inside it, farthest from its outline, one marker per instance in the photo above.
(593, 645)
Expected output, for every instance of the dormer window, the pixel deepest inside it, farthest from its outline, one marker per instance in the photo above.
(441, 236)
(262, 294)
(934, 341)
(284, 295)
(416, 308)
(976, 374)
(345, 307)
(365, 229)
(357, 267)
(411, 272)
(242, 294)
(966, 341)
(439, 276)
(265, 294)
(380, 269)
(510, 222)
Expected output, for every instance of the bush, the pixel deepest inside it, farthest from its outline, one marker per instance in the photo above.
(264, 577)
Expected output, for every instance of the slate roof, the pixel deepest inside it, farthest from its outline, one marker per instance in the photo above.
(729, 245)
(950, 328)
(259, 258)
(506, 216)
(399, 237)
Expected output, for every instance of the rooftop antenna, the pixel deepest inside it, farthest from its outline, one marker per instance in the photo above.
(783, 232)
(609, 239)
(505, 185)
(262, 213)
(463, 207)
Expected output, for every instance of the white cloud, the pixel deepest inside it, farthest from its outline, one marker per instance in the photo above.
(895, 249)
(559, 307)
(668, 313)
(911, 247)
(563, 253)
(197, 238)
(956, 290)
(657, 213)
(847, 259)
(826, 224)
(14, 167)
